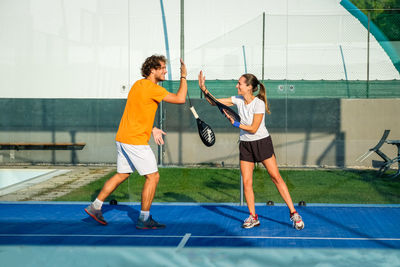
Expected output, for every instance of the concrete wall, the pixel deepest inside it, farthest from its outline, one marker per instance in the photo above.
(363, 122)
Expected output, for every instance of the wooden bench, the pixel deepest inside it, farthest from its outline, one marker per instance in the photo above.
(42, 146)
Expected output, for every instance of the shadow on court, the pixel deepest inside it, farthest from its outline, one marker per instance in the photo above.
(199, 225)
(352, 228)
(223, 210)
(54, 224)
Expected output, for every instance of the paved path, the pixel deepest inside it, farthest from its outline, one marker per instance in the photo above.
(59, 185)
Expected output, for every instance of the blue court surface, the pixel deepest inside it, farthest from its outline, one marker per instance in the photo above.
(198, 234)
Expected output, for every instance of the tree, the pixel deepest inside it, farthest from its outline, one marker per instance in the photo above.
(385, 14)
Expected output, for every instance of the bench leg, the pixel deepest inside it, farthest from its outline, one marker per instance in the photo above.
(384, 168)
(388, 162)
(396, 160)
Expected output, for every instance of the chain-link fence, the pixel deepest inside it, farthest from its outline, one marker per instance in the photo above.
(332, 81)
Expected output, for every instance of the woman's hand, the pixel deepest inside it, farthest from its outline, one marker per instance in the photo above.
(232, 120)
(158, 136)
(229, 117)
(202, 82)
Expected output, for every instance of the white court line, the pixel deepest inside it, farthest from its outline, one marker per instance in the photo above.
(193, 236)
(78, 235)
(184, 241)
(300, 237)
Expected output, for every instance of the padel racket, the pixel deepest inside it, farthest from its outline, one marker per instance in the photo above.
(223, 107)
(205, 132)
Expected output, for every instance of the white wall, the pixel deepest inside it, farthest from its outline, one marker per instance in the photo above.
(90, 49)
(56, 49)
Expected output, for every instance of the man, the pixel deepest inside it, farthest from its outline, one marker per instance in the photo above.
(135, 129)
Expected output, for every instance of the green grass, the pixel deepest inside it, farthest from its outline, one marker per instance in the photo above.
(223, 185)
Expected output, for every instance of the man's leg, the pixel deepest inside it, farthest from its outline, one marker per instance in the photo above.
(145, 221)
(111, 185)
(149, 190)
(94, 209)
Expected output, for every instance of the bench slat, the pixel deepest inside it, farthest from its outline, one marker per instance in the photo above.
(42, 146)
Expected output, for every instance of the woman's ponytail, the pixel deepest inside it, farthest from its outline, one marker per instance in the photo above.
(263, 96)
(254, 82)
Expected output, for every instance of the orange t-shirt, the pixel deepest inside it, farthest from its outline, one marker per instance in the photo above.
(140, 109)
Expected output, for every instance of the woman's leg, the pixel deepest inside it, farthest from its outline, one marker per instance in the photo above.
(246, 169)
(272, 168)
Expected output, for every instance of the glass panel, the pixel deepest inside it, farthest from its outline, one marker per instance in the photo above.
(332, 86)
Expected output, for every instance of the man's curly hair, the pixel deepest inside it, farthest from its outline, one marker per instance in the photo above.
(152, 62)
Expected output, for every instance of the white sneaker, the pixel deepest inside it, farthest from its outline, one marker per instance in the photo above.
(251, 222)
(297, 221)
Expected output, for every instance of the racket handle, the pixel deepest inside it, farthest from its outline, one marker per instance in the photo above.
(194, 112)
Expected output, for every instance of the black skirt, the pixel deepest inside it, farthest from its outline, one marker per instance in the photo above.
(256, 151)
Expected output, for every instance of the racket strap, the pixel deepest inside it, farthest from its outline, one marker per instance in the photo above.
(188, 97)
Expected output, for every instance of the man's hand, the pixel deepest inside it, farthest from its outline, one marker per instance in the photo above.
(158, 136)
(183, 69)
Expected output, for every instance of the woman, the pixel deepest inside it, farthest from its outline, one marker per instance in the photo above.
(255, 143)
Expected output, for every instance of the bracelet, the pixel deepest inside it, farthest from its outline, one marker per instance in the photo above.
(183, 77)
(236, 124)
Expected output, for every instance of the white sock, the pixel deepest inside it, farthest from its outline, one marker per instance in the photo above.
(144, 215)
(97, 204)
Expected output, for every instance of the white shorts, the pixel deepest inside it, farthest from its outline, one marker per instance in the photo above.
(135, 157)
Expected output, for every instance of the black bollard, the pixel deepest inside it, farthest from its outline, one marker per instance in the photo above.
(270, 203)
(302, 203)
